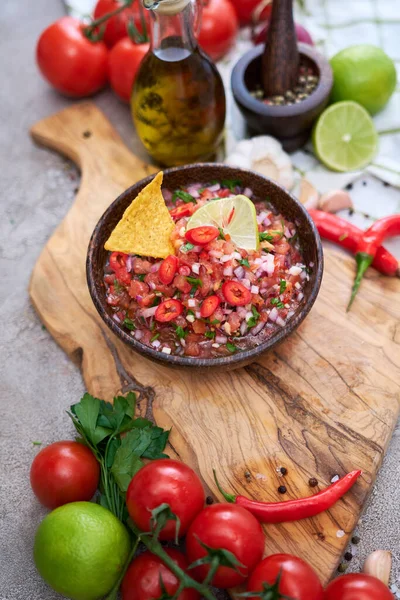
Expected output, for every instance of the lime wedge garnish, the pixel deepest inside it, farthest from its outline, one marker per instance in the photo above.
(236, 216)
(345, 138)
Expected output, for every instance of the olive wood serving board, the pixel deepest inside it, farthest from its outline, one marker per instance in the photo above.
(323, 403)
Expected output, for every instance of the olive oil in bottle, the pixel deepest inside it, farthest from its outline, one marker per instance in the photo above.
(178, 100)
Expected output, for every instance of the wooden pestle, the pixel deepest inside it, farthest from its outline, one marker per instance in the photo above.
(280, 62)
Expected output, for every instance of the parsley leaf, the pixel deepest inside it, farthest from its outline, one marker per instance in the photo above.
(187, 247)
(129, 324)
(215, 322)
(276, 302)
(244, 262)
(155, 337)
(231, 184)
(221, 233)
(141, 276)
(210, 334)
(254, 319)
(282, 286)
(181, 333)
(190, 312)
(231, 347)
(183, 196)
(118, 287)
(266, 237)
(194, 281)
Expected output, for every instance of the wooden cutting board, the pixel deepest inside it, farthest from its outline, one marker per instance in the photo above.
(324, 403)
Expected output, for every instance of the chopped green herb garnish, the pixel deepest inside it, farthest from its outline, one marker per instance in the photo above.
(156, 301)
(129, 324)
(276, 302)
(343, 237)
(181, 333)
(118, 287)
(266, 237)
(153, 326)
(190, 312)
(215, 322)
(221, 233)
(193, 291)
(187, 247)
(254, 319)
(210, 334)
(282, 286)
(244, 262)
(37, 443)
(141, 277)
(183, 196)
(231, 184)
(155, 337)
(231, 347)
(194, 281)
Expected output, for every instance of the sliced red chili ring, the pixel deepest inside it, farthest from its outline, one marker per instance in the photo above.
(117, 260)
(168, 310)
(200, 236)
(235, 293)
(181, 211)
(167, 270)
(209, 306)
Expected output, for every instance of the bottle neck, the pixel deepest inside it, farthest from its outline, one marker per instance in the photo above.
(171, 29)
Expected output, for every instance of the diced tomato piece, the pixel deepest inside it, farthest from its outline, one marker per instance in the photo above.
(138, 288)
(147, 301)
(234, 321)
(109, 278)
(235, 293)
(206, 283)
(117, 260)
(185, 210)
(123, 276)
(207, 195)
(209, 306)
(199, 326)
(141, 266)
(282, 248)
(168, 310)
(168, 269)
(202, 235)
(224, 193)
(182, 284)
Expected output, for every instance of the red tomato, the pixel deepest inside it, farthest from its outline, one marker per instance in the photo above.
(209, 306)
(236, 293)
(117, 260)
(247, 10)
(202, 235)
(69, 61)
(64, 472)
(123, 276)
(168, 310)
(357, 586)
(168, 269)
(142, 579)
(116, 27)
(181, 211)
(232, 528)
(168, 481)
(218, 34)
(123, 64)
(298, 579)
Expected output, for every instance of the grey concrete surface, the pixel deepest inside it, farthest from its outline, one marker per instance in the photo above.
(38, 382)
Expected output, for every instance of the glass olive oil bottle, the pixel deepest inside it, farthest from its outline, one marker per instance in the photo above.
(178, 100)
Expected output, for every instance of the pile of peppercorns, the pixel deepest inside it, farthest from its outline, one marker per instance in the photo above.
(306, 84)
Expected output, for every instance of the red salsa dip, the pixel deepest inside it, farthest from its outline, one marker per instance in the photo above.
(212, 298)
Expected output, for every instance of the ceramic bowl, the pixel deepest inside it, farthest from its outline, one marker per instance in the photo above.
(182, 176)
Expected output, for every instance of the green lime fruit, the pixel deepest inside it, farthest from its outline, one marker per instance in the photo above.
(344, 137)
(80, 550)
(236, 216)
(364, 74)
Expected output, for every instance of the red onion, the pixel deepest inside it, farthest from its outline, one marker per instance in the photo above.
(242, 312)
(167, 194)
(273, 315)
(227, 311)
(295, 270)
(138, 334)
(129, 264)
(247, 192)
(225, 258)
(221, 339)
(156, 344)
(216, 253)
(281, 322)
(228, 271)
(149, 312)
(258, 328)
(243, 327)
(197, 249)
(245, 282)
(300, 296)
(303, 275)
(154, 268)
(214, 188)
(267, 221)
(116, 318)
(196, 268)
(261, 217)
(239, 272)
(193, 192)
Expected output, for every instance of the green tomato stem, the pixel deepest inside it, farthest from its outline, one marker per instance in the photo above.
(113, 594)
(88, 31)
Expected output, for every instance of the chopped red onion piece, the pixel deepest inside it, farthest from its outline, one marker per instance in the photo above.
(129, 264)
(192, 302)
(225, 258)
(311, 264)
(247, 192)
(116, 318)
(281, 322)
(156, 344)
(214, 188)
(239, 272)
(183, 342)
(198, 314)
(166, 350)
(290, 314)
(193, 192)
(273, 315)
(300, 296)
(243, 327)
(246, 282)
(221, 339)
(303, 275)
(167, 194)
(237, 255)
(216, 253)
(261, 217)
(228, 271)
(267, 221)
(249, 315)
(149, 312)
(242, 312)
(258, 328)
(254, 289)
(154, 268)
(196, 268)
(138, 334)
(227, 311)
(295, 270)
(196, 249)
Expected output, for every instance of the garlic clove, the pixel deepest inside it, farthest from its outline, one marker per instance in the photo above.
(335, 200)
(379, 564)
(309, 195)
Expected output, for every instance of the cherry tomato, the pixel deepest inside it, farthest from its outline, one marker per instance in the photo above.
(182, 211)
(116, 27)
(64, 472)
(123, 64)
(260, 35)
(167, 270)
(232, 528)
(209, 306)
(165, 481)
(117, 260)
(298, 579)
(251, 10)
(236, 293)
(217, 35)
(202, 235)
(357, 586)
(70, 62)
(168, 310)
(142, 579)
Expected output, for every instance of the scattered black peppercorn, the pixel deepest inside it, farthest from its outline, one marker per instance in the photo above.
(367, 216)
(351, 211)
(349, 186)
(282, 489)
(312, 482)
(386, 184)
(247, 474)
(283, 470)
(355, 540)
(342, 568)
(209, 500)
(348, 556)
(364, 183)
(87, 134)
(321, 536)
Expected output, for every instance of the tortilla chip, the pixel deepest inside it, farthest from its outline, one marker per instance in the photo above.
(146, 225)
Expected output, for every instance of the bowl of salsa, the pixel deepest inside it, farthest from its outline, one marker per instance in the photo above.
(243, 270)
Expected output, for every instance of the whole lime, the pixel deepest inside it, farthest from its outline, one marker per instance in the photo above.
(364, 74)
(80, 550)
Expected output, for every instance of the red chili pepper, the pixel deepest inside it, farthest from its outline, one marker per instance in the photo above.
(347, 235)
(368, 246)
(294, 510)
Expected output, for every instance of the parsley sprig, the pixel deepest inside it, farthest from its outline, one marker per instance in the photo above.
(254, 319)
(183, 196)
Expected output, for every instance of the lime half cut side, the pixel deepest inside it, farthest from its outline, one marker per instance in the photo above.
(236, 216)
(345, 138)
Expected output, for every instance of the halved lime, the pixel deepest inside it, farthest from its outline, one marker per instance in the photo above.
(344, 137)
(236, 216)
